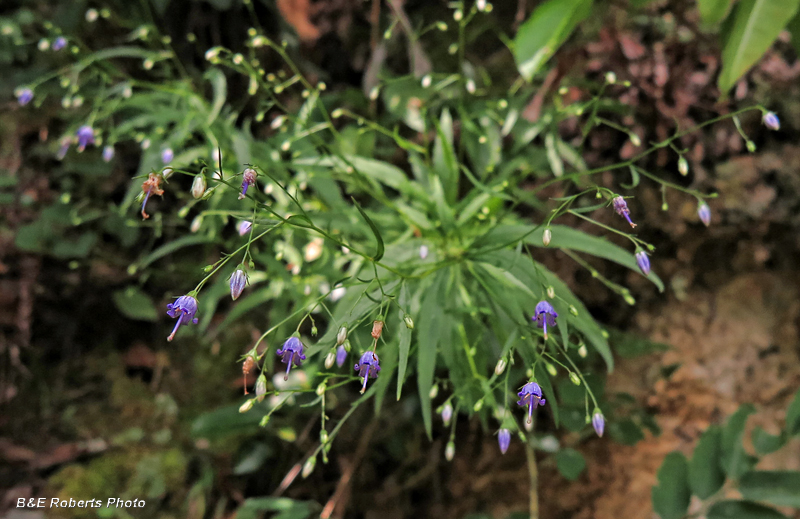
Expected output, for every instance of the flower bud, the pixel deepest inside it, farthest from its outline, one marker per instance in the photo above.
(704, 212)
(551, 369)
(683, 166)
(321, 389)
(611, 78)
(341, 356)
(643, 262)
(347, 346)
(478, 406)
(199, 186)
(574, 378)
(308, 466)
(323, 436)
(551, 292)
(500, 367)
(434, 392)
(314, 330)
(546, 237)
(573, 310)
(447, 413)
(330, 358)
(261, 387)
(771, 121)
(409, 322)
(238, 281)
(504, 439)
(247, 405)
(450, 451)
(635, 140)
(751, 146)
(342, 335)
(598, 422)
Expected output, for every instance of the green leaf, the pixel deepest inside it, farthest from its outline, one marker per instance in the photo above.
(404, 347)
(765, 442)
(712, 12)
(445, 163)
(778, 487)
(794, 29)
(756, 24)
(793, 416)
(734, 460)
(169, 248)
(287, 508)
(671, 496)
(220, 89)
(543, 33)
(570, 463)
(705, 473)
(227, 421)
(431, 323)
(374, 229)
(135, 304)
(732, 509)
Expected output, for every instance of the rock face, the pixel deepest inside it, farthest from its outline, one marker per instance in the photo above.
(739, 346)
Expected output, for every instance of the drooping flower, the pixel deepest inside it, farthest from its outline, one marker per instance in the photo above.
(504, 439)
(59, 43)
(341, 355)
(184, 309)
(243, 227)
(248, 179)
(238, 281)
(771, 121)
(377, 329)
(24, 96)
(545, 315)
(291, 353)
(167, 155)
(368, 367)
(598, 422)
(621, 207)
(530, 395)
(108, 153)
(643, 261)
(85, 136)
(150, 187)
(704, 212)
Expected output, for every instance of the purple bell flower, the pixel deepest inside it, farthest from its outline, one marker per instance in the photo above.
(248, 179)
(108, 153)
(184, 309)
(704, 212)
(167, 155)
(24, 96)
(59, 43)
(341, 356)
(85, 136)
(530, 395)
(368, 367)
(771, 121)
(504, 439)
(243, 227)
(598, 422)
(621, 207)
(238, 282)
(545, 315)
(643, 261)
(291, 353)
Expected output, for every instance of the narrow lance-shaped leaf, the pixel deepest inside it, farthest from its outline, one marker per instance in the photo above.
(374, 229)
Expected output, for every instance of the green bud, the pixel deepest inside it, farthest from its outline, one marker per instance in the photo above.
(574, 378)
(330, 358)
(321, 389)
(582, 351)
(409, 322)
(551, 369)
(264, 421)
(573, 310)
(342, 335)
(751, 146)
(500, 367)
(347, 346)
(478, 406)
(308, 466)
(323, 436)
(551, 292)
(450, 451)
(314, 330)
(247, 405)
(683, 166)
(629, 299)
(434, 391)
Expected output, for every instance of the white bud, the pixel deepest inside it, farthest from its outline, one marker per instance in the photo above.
(551, 292)
(635, 140)
(196, 223)
(582, 351)
(434, 392)
(500, 367)
(683, 166)
(426, 81)
(341, 336)
(91, 15)
(330, 358)
(247, 405)
(321, 389)
(199, 186)
(308, 466)
(471, 86)
(611, 78)
(450, 451)
(546, 237)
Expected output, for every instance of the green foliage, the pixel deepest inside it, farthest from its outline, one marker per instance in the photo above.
(705, 472)
(570, 463)
(671, 496)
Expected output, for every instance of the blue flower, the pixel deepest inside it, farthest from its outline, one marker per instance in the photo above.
(243, 227)
(341, 355)
(545, 315)
(238, 281)
(504, 439)
(598, 422)
(24, 96)
(368, 367)
(85, 136)
(108, 153)
(59, 43)
(167, 155)
(771, 121)
(530, 395)
(248, 179)
(704, 212)
(291, 353)
(184, 309)
(621, 207)
(643, 261)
